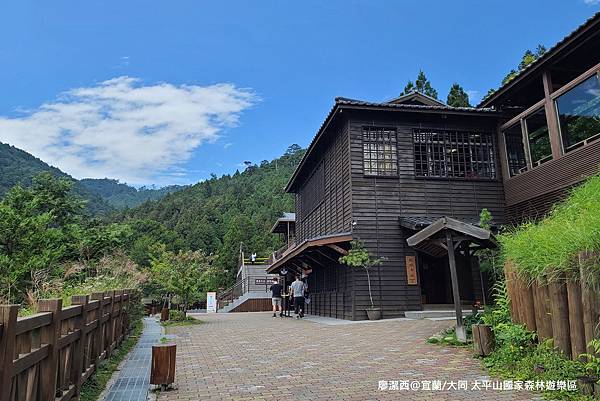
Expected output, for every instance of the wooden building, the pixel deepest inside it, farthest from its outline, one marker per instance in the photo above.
(381, 172)
(550, 127)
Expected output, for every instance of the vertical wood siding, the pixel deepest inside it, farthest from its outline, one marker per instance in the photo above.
(378, 202)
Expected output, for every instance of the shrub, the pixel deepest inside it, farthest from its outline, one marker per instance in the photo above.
(550, 248)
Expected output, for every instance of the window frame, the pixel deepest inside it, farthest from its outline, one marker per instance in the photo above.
(493, 163)
(519, 118)
(393, 143)
(555, 96)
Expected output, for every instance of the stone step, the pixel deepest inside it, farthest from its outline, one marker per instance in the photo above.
(435, 314)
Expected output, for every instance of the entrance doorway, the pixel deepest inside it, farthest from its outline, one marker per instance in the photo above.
(436, 285)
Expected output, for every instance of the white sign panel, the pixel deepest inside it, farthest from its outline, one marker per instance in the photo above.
(211, 302)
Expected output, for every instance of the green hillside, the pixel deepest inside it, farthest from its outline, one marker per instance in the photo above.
(121, 195)
(103, 196)
(220, 213)
(20, 167)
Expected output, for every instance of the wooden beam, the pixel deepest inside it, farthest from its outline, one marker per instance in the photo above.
(551, 117)
(338, 249)
(461, 333)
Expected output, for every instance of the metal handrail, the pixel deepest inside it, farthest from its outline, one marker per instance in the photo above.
(240, 288)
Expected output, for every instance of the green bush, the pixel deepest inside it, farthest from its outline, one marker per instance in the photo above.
(176, 315)
(550, 248)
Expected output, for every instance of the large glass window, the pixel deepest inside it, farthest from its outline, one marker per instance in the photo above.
(515, 151)
(539, 137)
(380, 153)
(454, 154)
(579, 113)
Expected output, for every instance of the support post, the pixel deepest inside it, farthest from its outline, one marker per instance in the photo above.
(50, 335)
(8, 319)
(461, 333)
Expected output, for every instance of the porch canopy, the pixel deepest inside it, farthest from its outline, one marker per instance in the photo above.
(431, 235)
(321, 251)
(444, 236)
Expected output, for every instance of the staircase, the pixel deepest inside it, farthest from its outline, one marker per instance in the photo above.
(248, 288)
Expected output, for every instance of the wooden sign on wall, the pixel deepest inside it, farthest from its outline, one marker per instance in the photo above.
(411, 270)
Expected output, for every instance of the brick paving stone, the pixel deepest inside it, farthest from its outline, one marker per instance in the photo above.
(133, 379)
(252, 356)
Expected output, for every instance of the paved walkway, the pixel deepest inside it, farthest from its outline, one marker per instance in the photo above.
(252, 356)
(133, 380)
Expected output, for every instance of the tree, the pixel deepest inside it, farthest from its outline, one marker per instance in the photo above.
(182, 274)
(359, 257)
(421, 85)
(457, 97)
(528, 58)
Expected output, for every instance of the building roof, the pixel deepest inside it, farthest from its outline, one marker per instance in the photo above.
(299, 249)
(342, 103)
(280, 224)
(430, 239)
(592, 22)
(416, 96)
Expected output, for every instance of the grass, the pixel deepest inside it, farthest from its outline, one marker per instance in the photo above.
(550, 248)
(93, 387)
(189, 321)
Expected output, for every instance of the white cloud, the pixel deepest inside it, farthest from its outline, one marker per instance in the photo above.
(591, 2)
(123, 129)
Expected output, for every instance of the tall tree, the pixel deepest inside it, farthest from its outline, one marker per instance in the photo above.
(457, 97)
(528, 57)
(422, 85)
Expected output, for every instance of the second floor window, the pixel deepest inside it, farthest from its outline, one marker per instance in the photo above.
(380, 155)
(454, 154)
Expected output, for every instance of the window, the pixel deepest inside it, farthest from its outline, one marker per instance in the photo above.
(539, 137)
(579, 113)
(313, 191)
(515, 151)
(380, 155)
(454, 154)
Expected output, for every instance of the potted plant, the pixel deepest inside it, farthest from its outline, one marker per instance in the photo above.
(359, 257)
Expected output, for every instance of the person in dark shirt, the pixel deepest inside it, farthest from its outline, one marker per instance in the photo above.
(276, 289)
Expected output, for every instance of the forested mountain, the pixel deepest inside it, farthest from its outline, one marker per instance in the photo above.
(103, 196)
(20, 167)
(220, 213)
(121, 195)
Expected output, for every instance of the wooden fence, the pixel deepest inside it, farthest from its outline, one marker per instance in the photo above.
(567, 310)
(49, 355)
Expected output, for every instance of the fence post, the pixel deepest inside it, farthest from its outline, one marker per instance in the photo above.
(560, 316)
(110, 323)
(8, 319)
(590, 301)
(79, 349)
(98, 341)
(50, 335)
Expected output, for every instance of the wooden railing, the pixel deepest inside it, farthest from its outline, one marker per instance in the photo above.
(49, 355)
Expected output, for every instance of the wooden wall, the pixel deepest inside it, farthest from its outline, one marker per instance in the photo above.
(378, 202)
(530, 195)
(333, 214)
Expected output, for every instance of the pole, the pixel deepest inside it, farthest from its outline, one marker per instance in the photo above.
(461, 334)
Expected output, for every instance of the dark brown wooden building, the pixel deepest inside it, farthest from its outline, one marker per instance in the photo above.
(550, 127)
(380, 172)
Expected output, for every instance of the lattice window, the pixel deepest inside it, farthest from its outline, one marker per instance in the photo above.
(380, 153)
(454, 154)
(314, 191)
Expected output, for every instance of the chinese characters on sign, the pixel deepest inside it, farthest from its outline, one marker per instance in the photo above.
(411, 270)
(477, 385)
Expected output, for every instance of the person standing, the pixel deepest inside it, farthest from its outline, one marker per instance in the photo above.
(276, 289)
(298, 291)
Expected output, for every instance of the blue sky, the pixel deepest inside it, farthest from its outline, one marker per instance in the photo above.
(160, 92)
